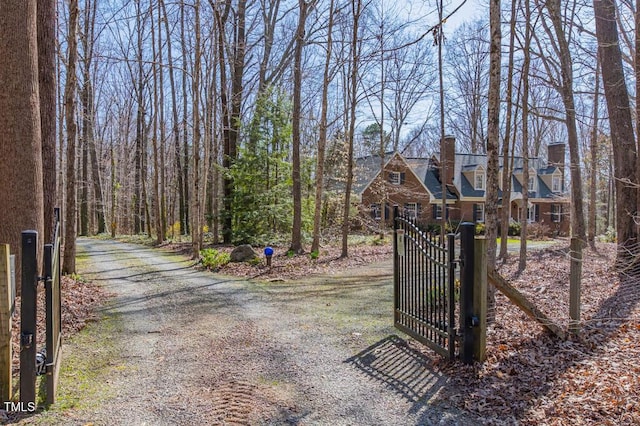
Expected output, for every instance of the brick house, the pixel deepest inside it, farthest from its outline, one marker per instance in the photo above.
(415, 184)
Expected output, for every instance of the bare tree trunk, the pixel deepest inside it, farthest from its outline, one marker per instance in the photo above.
(577, 209)
(506, 172)
(622, 135)
(493, 141)
(69, 263)
(296, 232)
(46, 29)
(196, 214)
(322, 138)
(356, 8)
(176, 125)
(593, 202)
(522, 263)
(21, 193)
(157, 210)
(184, 227)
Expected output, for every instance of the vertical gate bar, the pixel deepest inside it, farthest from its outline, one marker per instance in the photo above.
(396, 264)
(451, 305)
(412, 272)
(467, 235)
(432, 278)
(49, 317)
(28, 306)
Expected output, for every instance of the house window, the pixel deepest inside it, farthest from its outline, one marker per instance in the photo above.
(556, 213)
(437, 211)
(395, 178)
(376, 212)
(532, 183)
(411, 210)
(480, 180)
(478, 213)
(531, 214)
(556, 184)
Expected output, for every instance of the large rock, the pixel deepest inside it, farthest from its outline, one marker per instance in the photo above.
(243, 253)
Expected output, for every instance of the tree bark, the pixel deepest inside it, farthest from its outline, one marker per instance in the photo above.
(322, 137)
(493, 142)
(356, 8)
(566, 90)
(296, 231)
(593, 148)
(622, 135)
(46, 29)
(69, 262)
(21, 192)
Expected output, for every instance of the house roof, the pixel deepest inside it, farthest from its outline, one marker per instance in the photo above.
(428, 172)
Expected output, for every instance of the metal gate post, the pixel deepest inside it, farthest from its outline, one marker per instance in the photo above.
(452, 295)
(28, 307)
(467, 318)
(396, 264)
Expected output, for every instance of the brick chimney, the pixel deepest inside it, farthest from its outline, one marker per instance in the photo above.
(555, 155)
(447, 158)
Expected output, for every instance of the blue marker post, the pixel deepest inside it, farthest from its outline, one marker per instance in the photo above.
(268, 253)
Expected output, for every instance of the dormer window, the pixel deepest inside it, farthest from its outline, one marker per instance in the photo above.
(396, 178)
(480, 180)
(556, 183)
(532, 184)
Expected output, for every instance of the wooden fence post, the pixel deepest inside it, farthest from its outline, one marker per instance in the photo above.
(480, 298)
(6, 385)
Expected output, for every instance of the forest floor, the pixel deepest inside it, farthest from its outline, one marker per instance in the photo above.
(311, 340)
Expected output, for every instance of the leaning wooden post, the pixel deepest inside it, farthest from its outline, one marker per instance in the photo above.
(6, 385)
(480, 298)
(575, 277)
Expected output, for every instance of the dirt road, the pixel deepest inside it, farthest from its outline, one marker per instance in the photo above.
(179, 346)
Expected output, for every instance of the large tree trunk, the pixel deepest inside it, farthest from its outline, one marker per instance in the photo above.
(566, 89)
(196, 213)
(21, 195)
(593, 147)
(46, 28)
(296, 232)
(622, 136)
(522, 261)
(69, 263)
(506, 171)
(176, 124)
(493, 142)
(322, 137)
(356, 8)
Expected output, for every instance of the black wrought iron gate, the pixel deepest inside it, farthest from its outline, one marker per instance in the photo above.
(424, 285)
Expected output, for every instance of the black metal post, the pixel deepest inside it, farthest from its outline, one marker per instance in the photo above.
(451, 331)
(467, 236)
(28, 313)
(396, 264)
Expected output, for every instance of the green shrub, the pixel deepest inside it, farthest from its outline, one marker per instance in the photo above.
(314, 255)
(514, 229)
(480, 228)
(214, 259)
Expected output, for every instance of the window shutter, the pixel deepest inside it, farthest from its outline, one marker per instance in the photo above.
(372, 209)
(447, 212)
(418, 209)
(402, 176)
(388, 176)
(536, 212)
(386, 211)
(475, 212)
(559, 212)
(434, 212)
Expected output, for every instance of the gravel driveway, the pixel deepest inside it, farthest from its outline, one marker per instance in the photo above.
(187, 347)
